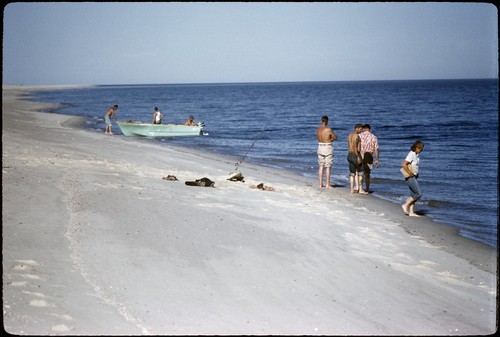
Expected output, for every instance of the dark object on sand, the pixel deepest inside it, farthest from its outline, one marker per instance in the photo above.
(204, 182)
(263, 187)
(236, 176)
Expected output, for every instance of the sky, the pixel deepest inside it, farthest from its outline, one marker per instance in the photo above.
(209, 42)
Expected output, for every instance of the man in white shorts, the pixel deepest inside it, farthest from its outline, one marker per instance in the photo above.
(325, 137)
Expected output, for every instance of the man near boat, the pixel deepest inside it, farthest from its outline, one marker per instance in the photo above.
(107, 119)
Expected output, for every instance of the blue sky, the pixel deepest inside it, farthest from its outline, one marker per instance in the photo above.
(154, 43)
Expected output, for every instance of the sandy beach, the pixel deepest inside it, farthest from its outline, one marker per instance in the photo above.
(96, 242)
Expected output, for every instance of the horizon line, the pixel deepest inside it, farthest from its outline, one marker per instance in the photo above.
(244, 83)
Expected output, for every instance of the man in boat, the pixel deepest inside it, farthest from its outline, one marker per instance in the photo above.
(110, 113)
(190, 121)
(157, 116)
(325, 137)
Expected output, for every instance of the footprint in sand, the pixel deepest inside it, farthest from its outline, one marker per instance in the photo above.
(38, 299)
(31, 276)
(60, 328)
(41, 303)
(27, 269)
(62, 316)
(25, 265)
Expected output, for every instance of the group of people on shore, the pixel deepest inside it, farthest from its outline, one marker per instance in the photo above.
(363, 146)
(157, 118)
(363, 153)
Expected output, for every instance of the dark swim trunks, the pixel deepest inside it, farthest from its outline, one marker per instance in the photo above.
(367, 162)
(353, 163)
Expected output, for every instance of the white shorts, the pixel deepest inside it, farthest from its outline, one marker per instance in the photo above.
(325, 154)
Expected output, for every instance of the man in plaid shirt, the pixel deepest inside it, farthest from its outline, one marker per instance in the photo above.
(369, 146)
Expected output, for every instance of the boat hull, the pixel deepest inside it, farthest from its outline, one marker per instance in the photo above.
(159, 130)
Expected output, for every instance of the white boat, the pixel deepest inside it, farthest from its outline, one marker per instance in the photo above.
(160, 130)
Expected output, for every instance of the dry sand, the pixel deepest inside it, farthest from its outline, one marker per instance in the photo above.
(96, 242)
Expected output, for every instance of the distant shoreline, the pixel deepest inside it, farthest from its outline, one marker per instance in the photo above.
(77, 86)
(44, 87)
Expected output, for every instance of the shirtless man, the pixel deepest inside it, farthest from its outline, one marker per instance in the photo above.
(190, 121)
(157, 116)
(325, 137)
(355, 161)
(110, 113)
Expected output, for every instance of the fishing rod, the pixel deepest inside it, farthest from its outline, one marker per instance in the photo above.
(257, 138)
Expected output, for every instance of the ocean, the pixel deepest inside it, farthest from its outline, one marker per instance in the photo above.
(274, 124)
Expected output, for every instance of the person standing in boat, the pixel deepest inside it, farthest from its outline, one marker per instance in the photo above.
(110, 113)
(157, 116)
(325, 136)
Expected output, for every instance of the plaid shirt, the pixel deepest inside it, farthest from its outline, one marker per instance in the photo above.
(369, 142)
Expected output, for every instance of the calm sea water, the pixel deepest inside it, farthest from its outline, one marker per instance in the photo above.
(456, 119)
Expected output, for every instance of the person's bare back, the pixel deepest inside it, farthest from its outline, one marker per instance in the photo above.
(325, 134)
(354, 142)
(325, 137)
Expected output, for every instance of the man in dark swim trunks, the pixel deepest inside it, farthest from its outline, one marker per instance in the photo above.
(355, 161)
